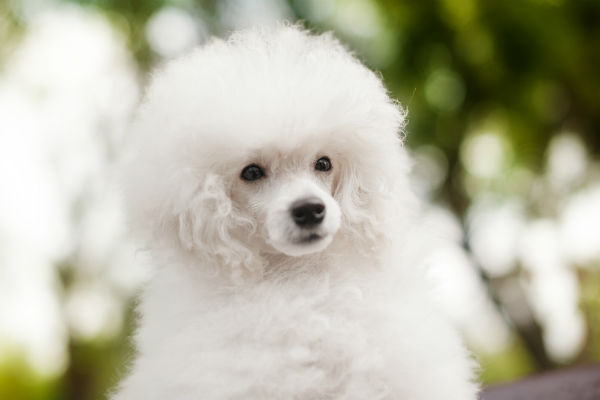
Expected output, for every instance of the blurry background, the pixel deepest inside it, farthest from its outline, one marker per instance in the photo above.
(504, 121)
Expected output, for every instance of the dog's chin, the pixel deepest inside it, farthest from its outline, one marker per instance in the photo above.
(304, 245)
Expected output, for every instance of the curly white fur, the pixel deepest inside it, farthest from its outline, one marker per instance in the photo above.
(241, 306)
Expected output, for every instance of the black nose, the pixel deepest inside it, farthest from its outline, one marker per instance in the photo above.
(308, 212)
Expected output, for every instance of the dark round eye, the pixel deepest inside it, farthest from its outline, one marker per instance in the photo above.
(252, 172)
(323, 164)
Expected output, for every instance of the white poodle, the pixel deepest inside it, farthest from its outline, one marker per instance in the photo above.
(268, 181)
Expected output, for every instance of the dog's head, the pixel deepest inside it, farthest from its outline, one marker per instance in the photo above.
(290, 196)
(273, 142)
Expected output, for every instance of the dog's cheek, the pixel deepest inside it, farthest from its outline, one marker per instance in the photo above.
(334, 215)
(277, 224)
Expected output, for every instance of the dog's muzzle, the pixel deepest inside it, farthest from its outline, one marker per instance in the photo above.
(303, 218)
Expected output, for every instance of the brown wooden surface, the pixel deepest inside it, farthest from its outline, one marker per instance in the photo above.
(570, 384)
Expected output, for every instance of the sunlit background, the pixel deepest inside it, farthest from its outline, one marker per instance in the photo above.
(504, 123)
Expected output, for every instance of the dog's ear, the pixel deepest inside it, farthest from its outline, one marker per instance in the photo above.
(204, 217)
(210, 227)
(376, 199)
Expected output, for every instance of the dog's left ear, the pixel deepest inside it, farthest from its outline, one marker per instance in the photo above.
(209, 226)
(375, 198)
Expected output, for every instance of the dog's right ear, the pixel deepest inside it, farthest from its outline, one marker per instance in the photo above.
(211, 228)
(202, 216)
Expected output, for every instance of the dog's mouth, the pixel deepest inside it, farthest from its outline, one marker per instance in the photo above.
(311, 238)
(303, 244)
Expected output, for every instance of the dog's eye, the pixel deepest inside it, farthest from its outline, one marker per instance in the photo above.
(252, 172)
(323, 164)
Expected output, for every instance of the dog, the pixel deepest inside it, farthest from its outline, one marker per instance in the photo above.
(267, 179)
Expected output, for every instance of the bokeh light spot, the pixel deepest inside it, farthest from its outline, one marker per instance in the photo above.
(485, 154)
(444, 90)
(171, 31)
